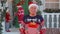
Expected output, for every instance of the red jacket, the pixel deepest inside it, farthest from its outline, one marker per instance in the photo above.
(20, 14)
(7, 17)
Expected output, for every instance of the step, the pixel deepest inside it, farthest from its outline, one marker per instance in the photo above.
(11, 33)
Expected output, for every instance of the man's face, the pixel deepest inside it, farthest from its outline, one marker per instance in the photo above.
(33, 10)
(8, 12)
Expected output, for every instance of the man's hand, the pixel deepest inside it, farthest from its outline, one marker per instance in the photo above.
(42, 24)
(22, 22)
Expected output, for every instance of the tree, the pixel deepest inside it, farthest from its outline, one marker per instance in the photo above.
(0, 28)
(39, 2)
(0, 23)
(2, 14)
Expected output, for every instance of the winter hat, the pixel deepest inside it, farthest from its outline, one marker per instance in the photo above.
(18, 5)
(20, 8)
(32, 4)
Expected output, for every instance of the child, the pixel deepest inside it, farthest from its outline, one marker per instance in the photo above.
(7, 22)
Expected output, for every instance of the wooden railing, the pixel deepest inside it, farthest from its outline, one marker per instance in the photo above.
(51, 20)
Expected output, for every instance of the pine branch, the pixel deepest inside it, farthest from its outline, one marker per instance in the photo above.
(0, 28)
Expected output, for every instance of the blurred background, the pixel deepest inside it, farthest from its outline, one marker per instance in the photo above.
(49, 9)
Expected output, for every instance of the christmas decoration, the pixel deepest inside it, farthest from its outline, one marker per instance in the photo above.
(25, 7)
(20, 13)
(24, 4)
(52, 10)
(39, 2)
(0, 22)
(0, 28)
(33, 5)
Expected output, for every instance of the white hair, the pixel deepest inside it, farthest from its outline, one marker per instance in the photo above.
(33, 5)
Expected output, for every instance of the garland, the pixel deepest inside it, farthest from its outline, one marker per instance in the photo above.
(52, 10)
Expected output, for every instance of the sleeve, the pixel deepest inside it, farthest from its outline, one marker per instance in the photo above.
(41, 18)
(24, 18)
(42, 22)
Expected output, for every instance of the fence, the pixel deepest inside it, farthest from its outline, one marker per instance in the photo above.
(52, 20)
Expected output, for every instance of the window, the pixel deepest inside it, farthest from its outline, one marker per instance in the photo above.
(52, 4)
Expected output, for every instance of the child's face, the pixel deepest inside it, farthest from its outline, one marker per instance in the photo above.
(33, 10)
(8, 12)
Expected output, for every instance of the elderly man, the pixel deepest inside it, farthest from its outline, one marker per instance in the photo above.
(32, 18)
